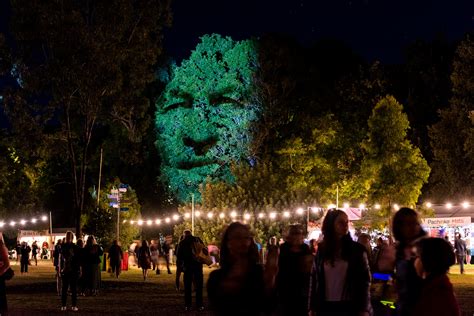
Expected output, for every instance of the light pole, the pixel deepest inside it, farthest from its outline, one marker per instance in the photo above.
(192, 214)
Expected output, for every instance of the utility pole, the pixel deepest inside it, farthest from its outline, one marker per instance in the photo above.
(192, 214)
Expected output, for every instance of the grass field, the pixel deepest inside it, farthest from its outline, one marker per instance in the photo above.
(35, 293)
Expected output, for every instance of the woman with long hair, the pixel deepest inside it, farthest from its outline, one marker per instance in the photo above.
(144, 258)
(241, 285)
(340, 278)
(407, 232)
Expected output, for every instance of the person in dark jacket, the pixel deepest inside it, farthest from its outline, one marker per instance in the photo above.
(407, 232)
(92, 253)
(25, 257)
(460, 248)
(115, 256)
(294, 268)
(34, 251)
(70, 269)
(434, 257)
(340, 277)
(192, 271)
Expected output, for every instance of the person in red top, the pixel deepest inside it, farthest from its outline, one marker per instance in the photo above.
(434, 257)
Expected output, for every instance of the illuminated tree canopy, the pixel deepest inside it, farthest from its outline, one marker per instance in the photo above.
(206, 113)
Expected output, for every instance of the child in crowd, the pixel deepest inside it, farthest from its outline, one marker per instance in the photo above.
(434, 257)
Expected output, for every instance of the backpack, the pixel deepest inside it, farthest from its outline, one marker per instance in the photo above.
(200, 253)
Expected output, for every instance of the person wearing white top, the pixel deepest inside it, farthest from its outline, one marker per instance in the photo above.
(340, 277)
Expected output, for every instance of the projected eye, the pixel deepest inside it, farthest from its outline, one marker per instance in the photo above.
(183, 104)
(220, 99)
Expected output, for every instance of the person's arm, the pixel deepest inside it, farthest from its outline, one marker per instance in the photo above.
(363, 274)
(5, 259)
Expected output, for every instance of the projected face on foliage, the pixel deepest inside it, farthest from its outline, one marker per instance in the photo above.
(205, 115)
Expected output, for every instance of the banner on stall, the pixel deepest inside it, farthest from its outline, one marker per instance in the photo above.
(32, 233)
(447, 221)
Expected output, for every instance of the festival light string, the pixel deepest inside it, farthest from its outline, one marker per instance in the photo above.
(234, 215)
(23, 222)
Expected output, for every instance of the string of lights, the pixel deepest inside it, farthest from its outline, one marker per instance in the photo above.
(23, 222)
(234, 215)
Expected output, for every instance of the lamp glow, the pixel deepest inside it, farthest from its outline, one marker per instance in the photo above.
(300, 211)
(465, 204)
(346, 205)
(331, 206)
(261, 215)
(396, 207)
(44, 218)
(187, 215)
(197, 214)
(140, 222)
(233, 214)
(221, 215)
(167, 219)
(377, 206)
(449, 205)
(361, 205)
(273, 215)
(286, 214)
(175, 217)
(247, 216)
(149, 222)
(210, 215)
(33, 220)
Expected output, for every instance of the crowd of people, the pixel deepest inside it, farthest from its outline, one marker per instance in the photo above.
(335, 275)
(332, 276)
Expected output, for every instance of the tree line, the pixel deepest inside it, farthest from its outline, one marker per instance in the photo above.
(81, 76)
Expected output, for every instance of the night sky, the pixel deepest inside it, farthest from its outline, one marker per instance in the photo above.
(375, 29)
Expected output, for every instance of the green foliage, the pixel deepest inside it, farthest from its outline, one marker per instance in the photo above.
(256, 189)
(98, 58)
(205, 115)
(393, 170)
(102, 221)
(453, 163)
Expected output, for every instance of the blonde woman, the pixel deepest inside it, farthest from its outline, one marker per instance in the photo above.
(4, 266)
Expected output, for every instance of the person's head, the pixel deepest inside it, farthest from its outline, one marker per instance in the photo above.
(295, 235)
(90, 241)
(144, 243)
(434, 257)
(187, 233)
(237, 243)
(457, 236)
(115, 242)
(364, 239)
(69, 236)
(80, 243)
(380, 242)
(406, 225)
(59, 241)
(335, 225)
(205, 114)
(273, 241)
